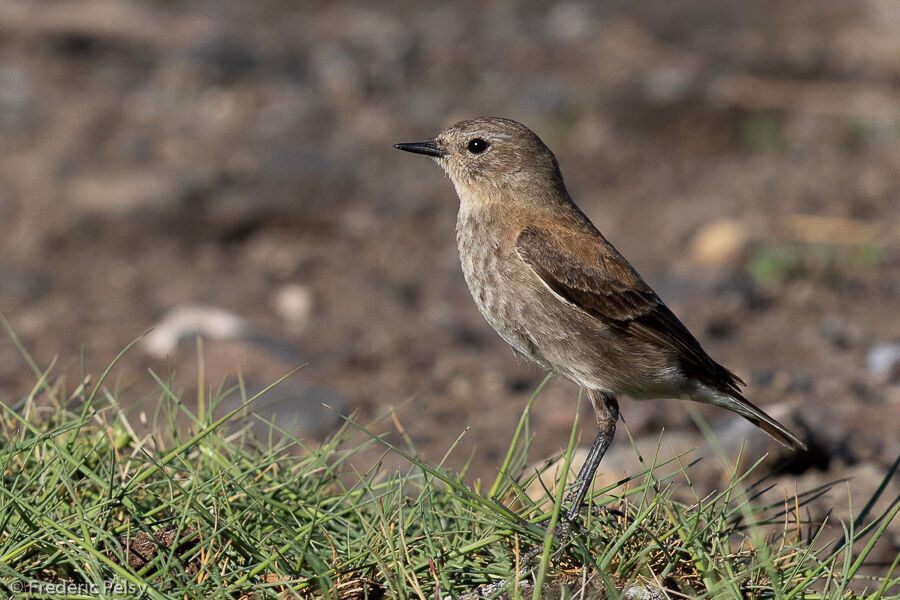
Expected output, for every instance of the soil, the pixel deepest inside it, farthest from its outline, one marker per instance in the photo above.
(220, 155)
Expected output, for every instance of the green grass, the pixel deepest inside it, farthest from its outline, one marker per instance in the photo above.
(823, 264)
(765, 134)
(243, 515)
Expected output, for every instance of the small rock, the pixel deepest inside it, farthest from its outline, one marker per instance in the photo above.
(189, 320)
(643, 592)
(294, 303)
(883, 361)
(300, 407)
(719, 244)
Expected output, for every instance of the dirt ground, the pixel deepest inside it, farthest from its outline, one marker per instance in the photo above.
(232, 161)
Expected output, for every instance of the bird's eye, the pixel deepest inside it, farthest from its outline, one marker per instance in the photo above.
(477, 146)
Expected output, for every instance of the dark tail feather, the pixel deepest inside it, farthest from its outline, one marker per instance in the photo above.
(737, 403)
(776, 430)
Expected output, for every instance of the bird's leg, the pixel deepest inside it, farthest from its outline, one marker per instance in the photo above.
(606, 409)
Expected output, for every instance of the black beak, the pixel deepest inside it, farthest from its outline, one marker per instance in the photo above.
(429, 148)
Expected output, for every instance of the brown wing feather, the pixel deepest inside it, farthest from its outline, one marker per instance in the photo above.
(610, 290)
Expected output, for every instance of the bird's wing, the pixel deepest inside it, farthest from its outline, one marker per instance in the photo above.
(587, 271)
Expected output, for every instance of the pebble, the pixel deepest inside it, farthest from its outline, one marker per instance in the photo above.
(643, 592)
(883, 361)
(719, 244)
(293, 303)
(188, 320)
(300, 407)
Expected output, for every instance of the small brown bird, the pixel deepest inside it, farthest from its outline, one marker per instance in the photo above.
(560, 294)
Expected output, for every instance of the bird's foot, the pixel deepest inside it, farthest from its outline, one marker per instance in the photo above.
(559, 536)
(569, 525)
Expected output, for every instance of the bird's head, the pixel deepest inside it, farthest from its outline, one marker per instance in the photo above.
(488, 154)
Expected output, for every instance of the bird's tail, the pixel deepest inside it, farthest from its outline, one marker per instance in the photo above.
(737, 403)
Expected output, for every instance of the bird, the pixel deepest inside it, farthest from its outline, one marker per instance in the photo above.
(561, 295)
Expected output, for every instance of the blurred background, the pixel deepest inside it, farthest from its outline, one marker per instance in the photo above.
(226, 167)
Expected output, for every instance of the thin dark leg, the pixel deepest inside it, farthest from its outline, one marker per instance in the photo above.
(606, 409)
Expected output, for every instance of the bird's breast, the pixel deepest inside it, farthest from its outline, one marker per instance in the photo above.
(500, 283)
